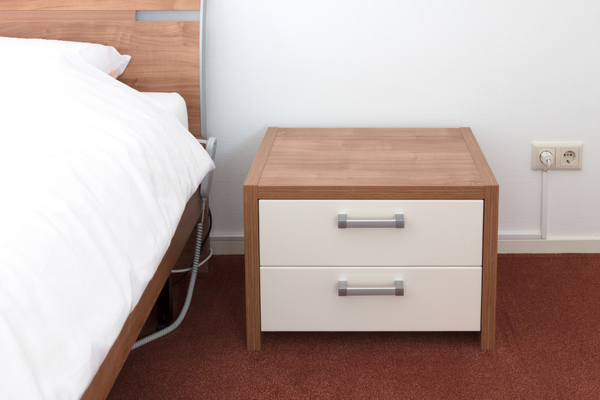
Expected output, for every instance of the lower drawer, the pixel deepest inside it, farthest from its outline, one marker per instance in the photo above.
(307, 299)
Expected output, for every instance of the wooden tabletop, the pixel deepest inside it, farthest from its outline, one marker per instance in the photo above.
(370, 163)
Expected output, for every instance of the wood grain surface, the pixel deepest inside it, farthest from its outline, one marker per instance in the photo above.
(100, 5)
(364, 158)
(251, 246)
(480, 161)
(106, 375)
(370, 192)
(62, 16)
(165, 55)
(490, 242)
(489, 268)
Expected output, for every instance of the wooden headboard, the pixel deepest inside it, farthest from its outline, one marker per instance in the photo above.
(165, 55)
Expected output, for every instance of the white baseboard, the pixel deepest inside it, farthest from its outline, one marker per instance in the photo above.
(519, 235)
(507, 243)
(555, 244)
(227, 244)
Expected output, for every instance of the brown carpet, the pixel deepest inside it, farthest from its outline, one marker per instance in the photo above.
(547, 346)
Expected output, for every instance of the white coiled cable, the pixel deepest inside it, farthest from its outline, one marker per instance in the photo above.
(188, 298)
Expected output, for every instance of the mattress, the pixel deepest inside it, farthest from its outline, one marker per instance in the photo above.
(95, 177)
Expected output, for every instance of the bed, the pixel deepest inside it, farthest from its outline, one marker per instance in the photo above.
(165, 58)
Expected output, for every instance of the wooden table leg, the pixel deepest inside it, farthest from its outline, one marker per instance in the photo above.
(490, 262)
(251, 249)
(252, 267)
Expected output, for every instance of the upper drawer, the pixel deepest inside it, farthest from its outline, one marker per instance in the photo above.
(305, 232)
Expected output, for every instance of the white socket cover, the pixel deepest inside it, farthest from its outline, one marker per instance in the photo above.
(570, 156)
(567, 155)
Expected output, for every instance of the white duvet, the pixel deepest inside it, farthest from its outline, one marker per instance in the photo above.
(94, 177)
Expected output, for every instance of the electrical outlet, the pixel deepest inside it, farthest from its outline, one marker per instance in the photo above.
(536, 150)
(566, 155)
(569, 156)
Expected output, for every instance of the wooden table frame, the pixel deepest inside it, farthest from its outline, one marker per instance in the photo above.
(257, 186)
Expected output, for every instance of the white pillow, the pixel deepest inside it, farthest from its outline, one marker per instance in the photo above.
(105, 58)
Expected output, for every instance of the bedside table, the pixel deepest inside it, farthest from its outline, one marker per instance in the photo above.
(379, 229)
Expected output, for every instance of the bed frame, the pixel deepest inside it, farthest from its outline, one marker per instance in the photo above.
(165, 58)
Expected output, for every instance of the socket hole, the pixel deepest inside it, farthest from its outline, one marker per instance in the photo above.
(569, 157)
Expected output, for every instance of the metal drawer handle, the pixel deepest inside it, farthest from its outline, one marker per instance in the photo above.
(344, 222)
(396, 290)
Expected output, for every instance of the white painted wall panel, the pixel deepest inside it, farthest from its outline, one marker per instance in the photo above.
(516, 71)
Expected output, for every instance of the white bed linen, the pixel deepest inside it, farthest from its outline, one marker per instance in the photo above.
(94, 178)
(172, 102)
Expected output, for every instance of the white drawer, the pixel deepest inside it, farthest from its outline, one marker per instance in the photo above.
(307, 299)
(436, 232)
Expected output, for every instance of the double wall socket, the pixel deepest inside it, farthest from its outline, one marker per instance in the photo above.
(566, 155)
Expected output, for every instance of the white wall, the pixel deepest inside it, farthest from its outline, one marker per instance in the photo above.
(514, 71)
